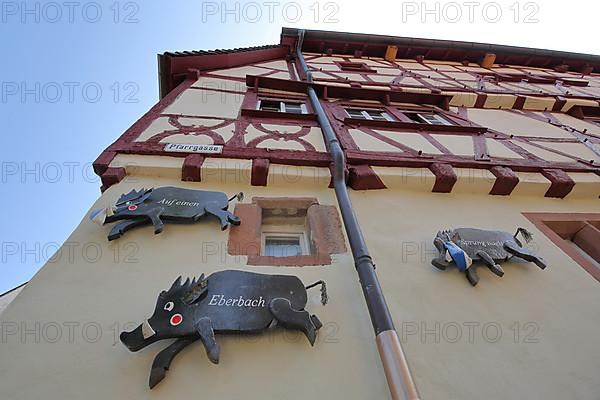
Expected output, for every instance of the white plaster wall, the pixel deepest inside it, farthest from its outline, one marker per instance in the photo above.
(206, 103)
(209, 82)
(512, 123)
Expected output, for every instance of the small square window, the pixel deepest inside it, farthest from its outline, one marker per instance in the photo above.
(284, 232)
(290, 231)
(369, 114)
(289, 107)
(284, 245)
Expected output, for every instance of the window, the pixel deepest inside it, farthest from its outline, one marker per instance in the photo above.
(284, 232)
(369, 114)
(355, 67)
(428, 118)
(287, 231)
(283, 245)
(577, 234)
(282, 106)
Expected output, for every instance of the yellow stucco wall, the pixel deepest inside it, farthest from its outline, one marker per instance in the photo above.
(558, 361)
(121, 285)
(109, 293)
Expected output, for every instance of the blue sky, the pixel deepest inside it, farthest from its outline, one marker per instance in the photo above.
(75, 75)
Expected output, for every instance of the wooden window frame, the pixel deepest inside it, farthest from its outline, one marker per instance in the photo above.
(283, 105)
(364, 111)
(353, 66)
(402, 121)
(519, 77)
(420, 114)
(252, 100)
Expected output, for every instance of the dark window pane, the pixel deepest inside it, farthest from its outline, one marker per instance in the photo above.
(293, 108)
(355, 113)
(267, 105)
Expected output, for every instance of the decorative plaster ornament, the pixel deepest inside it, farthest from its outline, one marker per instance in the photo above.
(225, 302)
(153, 206)
(463, 246)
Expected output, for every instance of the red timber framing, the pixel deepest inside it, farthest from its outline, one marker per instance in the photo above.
(428, 89)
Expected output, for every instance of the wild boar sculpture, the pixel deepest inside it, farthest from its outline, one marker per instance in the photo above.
(463, 246)
(225, 302)
(153, 206)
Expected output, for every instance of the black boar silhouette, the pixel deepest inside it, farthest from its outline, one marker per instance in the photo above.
(462, 246)
(153, 206)
(225, 302)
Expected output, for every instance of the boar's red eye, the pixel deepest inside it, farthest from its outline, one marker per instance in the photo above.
(169, 306)
(132, 207)
(176, 319)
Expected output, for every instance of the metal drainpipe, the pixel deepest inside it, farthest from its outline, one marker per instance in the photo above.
(395, 365)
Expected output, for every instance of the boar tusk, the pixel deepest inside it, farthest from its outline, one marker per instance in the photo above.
(98, 216)
(147, 330)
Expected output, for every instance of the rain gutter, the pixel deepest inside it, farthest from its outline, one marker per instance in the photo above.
(395, 365)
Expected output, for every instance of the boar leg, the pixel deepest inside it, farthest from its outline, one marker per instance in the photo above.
(205, 329)
(489, 261)
(440, 262)
(224, 216)
(472, 276)
(154, 215)
(293, 319)
(525, 254)
(163, 360)
(119, 229)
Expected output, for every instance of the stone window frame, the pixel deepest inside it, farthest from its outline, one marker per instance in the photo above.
(325, 227)
(576, 234)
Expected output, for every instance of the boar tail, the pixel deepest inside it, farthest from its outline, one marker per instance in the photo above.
(525, 233)
(324, 297)
(239, 196)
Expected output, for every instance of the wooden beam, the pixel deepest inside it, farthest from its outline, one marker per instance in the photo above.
(488, 60)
